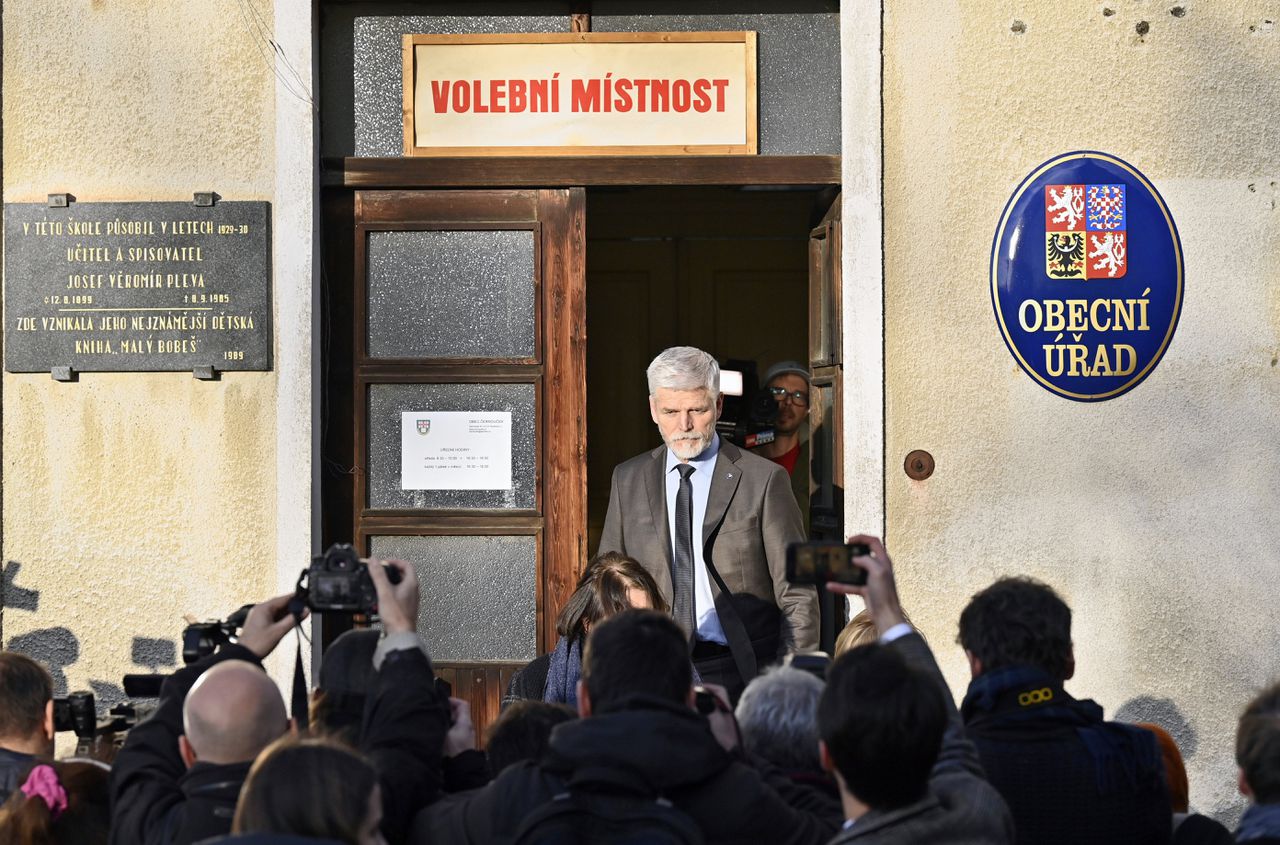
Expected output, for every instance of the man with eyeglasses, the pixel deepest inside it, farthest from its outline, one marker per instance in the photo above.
(788, 381)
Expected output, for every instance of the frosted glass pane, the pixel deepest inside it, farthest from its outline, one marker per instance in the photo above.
(362, 65)
(451, 294)
(478, 594)
(388, 401)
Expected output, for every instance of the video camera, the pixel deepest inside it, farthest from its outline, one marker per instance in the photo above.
(201, 639)
(96, 738)
(339, 580)
(750, 413)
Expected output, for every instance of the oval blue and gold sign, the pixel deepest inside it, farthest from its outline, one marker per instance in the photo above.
(1086, 276)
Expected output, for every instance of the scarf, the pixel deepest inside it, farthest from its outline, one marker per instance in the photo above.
(563, 672)
(1119, 752)
(565, 668)
(1258, 822)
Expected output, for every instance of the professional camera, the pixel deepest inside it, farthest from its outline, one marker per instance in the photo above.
(339, 580)
(749, 413)
(96, 738)
(75, 712)
(201, 639)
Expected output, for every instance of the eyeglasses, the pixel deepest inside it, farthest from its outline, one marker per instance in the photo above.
(797, 397)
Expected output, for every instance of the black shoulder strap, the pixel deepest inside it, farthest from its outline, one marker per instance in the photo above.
(744, 656)
(301, 715)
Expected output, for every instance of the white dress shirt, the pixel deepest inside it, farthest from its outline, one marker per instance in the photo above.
(707, 622)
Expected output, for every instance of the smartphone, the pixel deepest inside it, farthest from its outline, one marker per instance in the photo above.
(818, 563)
(814, 662)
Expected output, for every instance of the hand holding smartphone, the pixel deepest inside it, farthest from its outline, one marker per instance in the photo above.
(819, 563)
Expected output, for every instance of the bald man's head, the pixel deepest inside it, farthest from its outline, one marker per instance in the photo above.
(233, 712)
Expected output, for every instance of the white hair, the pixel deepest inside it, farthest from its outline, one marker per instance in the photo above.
(778, 717)
(684, 368)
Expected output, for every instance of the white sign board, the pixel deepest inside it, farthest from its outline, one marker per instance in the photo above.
(676, 93)
(455, 450)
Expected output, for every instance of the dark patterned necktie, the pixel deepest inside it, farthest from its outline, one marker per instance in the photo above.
(682, 561)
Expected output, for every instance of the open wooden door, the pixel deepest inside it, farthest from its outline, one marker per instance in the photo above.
(826, 423)
(473, 302)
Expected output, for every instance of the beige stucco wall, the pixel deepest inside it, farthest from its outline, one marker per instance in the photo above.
(132, 499)
(1155, 513)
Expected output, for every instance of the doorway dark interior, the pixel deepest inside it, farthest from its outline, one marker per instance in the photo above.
(725, 269)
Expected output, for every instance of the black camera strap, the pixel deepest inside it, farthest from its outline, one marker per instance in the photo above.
(301, 715)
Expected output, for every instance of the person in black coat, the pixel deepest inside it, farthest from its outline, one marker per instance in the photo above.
(161, 794)
(1068, 775)
(638, 722)
(611, 583)
(156, 798)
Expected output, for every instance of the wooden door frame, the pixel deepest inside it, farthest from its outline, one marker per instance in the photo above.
(580, 171)
(557, 370)
(564, 303)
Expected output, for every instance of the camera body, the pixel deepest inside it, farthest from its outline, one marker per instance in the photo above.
(76, 712)
(96, 738)
(201, 639)
(339, 580)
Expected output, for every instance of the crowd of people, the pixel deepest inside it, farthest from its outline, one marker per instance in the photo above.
(613, 737)
(659, 716)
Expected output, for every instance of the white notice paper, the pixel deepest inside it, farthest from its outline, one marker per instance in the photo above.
(455, 450)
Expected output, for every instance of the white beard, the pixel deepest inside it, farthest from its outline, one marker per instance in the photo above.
(689, 446)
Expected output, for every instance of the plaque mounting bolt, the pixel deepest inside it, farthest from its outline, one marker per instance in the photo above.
(60, 200)
(62, 374)
(205, 372)
(205, 199)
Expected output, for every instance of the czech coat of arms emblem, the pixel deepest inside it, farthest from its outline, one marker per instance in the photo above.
(1085, 236)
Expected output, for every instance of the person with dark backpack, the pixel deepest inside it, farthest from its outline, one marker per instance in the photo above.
(608, 808)
(642, 765)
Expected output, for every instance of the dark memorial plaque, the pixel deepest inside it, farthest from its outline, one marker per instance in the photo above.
(137, 286)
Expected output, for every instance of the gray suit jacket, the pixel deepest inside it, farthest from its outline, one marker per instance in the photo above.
(961, 808)
(751, 517)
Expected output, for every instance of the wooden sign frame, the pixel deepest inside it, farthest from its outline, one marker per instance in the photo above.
(747, 39)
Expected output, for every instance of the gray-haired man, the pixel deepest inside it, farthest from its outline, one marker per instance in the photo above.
(699, 507)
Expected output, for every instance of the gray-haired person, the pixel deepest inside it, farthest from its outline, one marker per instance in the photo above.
(778, 718)
(702, 515)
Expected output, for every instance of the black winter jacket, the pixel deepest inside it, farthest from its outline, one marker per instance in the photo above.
(402, 733)
(155, 800)
(1067, 775)
(14, 766)
(529, 683)
(668, 746)
(268, 839)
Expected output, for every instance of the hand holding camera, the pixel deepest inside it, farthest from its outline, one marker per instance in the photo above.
(396, 585)
(340, 580)
(267, 623)
(712, 702)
